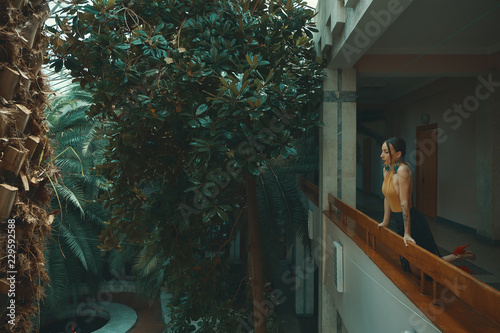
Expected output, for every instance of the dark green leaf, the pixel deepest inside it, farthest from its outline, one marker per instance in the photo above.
(201, 109)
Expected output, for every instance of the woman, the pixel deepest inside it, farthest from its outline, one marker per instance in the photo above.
(397, 190)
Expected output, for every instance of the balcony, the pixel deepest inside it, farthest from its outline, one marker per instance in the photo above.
(448, 298)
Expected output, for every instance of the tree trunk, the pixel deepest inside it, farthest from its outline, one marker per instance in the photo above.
(9, 83)
(25, 155)
(7, 197)
(13, 160)
(21, 118)
(255, 250)
(31, 144)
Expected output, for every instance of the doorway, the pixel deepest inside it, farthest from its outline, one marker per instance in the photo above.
(426, 172)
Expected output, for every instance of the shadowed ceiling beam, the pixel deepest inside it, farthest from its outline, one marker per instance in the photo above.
(426, 65)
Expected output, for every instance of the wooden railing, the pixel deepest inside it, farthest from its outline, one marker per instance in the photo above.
(454, 300)
(310, 190)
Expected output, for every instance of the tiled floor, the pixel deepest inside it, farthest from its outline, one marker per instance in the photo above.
(448, 236)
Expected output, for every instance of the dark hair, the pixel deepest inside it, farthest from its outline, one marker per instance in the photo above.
(399, 145)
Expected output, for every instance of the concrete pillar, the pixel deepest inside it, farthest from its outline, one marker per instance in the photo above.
(338, 137)
(488, 166)
(337, 174)
(327, 311)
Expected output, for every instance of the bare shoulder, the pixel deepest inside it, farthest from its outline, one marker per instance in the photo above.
(404, 171)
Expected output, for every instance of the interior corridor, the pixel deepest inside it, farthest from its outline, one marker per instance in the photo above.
(448, 236)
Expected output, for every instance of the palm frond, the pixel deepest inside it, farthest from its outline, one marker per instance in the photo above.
(72, 196)
(70, 165)
(60, 269)
(74, 244)
(73, 253)
(118, 261)
(146, 262)
(281, 206)
(150, 272)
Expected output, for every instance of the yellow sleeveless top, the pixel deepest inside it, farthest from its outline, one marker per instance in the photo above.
(390, 194)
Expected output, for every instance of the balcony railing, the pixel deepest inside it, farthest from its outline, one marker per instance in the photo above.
(310, 190)
(452, 299)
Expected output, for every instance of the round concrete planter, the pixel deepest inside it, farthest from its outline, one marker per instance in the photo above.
(121, 318)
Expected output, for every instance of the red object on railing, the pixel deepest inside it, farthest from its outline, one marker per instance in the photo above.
(460, 249)
(466, 269)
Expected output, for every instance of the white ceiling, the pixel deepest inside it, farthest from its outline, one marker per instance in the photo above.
(431, 27)
(444, 27)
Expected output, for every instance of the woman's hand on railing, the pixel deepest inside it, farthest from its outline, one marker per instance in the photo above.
(407, 238)
(383, 224)
(468, 255)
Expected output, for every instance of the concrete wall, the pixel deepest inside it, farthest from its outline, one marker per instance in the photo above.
(345, 33)
(456, 152)
(487, 165)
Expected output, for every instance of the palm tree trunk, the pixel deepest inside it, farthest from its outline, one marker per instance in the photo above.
(255, 250)
(24, 150)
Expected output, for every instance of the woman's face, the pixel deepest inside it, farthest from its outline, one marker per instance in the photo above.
(386, 158)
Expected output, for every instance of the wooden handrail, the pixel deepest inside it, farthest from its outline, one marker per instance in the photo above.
(483, 298)
(310, 190)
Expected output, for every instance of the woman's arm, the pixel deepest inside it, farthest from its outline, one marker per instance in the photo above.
(404, 182)
(387, 208)
(387, 214)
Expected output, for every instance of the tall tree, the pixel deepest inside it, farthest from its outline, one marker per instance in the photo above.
(198, 94)
(26, 170)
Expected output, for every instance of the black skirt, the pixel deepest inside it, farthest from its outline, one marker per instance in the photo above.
(420, 232)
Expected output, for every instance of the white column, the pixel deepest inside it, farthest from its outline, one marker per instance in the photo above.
(337, 174)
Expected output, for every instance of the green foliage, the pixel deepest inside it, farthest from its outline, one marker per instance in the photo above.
(72, 255)
(197, 93)
(282, 209)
